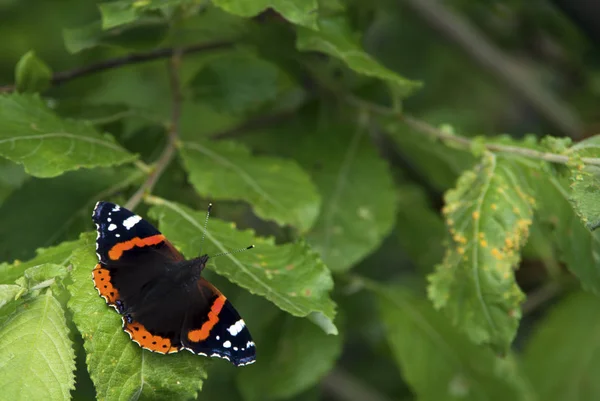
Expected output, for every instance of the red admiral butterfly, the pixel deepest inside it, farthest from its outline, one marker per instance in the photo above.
(165, 303)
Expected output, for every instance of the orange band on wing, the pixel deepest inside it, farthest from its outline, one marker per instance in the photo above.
(102, 282)
(117, 250)
(213, 318)
(145, 339)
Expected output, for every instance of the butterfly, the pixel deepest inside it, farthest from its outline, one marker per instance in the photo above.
(165, 303)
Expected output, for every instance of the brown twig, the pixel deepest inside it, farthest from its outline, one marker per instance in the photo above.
(133, 58)
(173, 133)
(540, 296)
(255, 123)
(463, 142)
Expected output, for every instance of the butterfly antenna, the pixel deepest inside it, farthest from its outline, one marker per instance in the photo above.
(205, 224)
(229, 253)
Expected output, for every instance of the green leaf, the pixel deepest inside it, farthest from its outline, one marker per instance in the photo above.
(131, 88)
(323, 322)
(32, 135)
(358, 192)
(439, 362)
(294, 355)
(335, 38)
(12, 176)
(238, 83)
(577, 246)
(585, 182)
(437, 162)
(359, 199)
(278, 189)
(83, 37)
(556, 145)
(72, 197)
(303, 12)
(119, 368)
(332, 6)
(32, 74)
(8, 293)
(144, 34)
(38, 274)
(118, 13)
(488, 215)
(38, 358)
(290, 275)
(60, 255)
(562, 356)
(419, 229)
(122, 12)
(211, 25)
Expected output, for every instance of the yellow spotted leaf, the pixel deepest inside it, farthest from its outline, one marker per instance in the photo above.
(585, 181)
(488, 215)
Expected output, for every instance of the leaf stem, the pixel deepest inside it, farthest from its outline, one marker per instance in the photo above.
(460, 141)
(547, 292)
(43, 284)
(173, 133)
(61, 77)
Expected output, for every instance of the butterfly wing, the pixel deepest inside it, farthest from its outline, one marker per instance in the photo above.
(133, 256)
(218, 331)
(123, 237)
(146, 279)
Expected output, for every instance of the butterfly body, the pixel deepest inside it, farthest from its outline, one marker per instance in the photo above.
(165, 303)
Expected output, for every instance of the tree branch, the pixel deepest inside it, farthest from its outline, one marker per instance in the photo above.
(173, 133)
(540, 296)
(255, 123)
(464, 143)
(133, 58)
(474, 43)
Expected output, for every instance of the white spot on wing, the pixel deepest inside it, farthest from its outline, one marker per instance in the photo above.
(116, 208)
(235, 348)
(218, 338)
(108, 219)
(112, 227)
(117, 235)
(131, 221)
(235, 328)
(250, 344)
(227, 344)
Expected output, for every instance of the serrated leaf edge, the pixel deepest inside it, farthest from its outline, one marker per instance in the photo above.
(193, 222)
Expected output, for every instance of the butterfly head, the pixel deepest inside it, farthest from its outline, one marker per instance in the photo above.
(200, 262)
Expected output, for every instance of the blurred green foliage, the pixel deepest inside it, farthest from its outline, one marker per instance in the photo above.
(404, 249)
